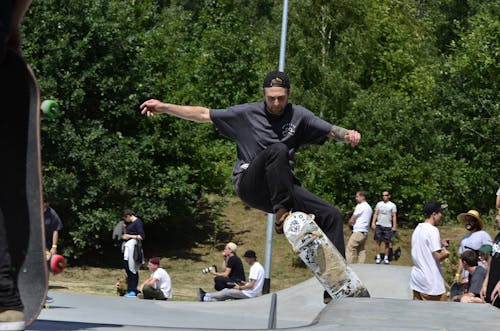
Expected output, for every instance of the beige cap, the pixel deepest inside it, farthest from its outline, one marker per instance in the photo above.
(232, 246)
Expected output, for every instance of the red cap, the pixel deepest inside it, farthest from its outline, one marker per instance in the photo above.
(155, 260)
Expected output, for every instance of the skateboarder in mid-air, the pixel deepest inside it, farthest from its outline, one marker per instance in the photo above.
(267, 135)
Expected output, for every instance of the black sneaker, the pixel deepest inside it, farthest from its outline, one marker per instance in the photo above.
(201, 294)
(326, 297)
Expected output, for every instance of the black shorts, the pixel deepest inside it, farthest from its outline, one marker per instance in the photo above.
(383, 233)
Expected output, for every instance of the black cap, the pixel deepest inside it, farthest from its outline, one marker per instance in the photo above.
(276, 78)
(250, 254)
(433, 206)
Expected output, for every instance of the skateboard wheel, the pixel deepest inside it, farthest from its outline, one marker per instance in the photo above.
(57, 264)
(50, 108)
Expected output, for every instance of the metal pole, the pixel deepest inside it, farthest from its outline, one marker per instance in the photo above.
(269, 252)
(270, 217)
(283, 36)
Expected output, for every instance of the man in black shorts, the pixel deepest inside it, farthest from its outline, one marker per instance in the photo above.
(267, 135)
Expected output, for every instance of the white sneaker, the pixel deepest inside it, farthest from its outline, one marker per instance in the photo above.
(11, 320)
(378, 260)
(386, 261)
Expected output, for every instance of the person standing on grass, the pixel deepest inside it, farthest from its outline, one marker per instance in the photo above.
(132, 250)
(159, 285)
(53, 225)
(427, 252)
(360, 223)
(267, 135)
(384, 223)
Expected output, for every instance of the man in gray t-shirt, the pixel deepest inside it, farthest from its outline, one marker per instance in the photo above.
(384, 223)
(477, 274)
(267, 135)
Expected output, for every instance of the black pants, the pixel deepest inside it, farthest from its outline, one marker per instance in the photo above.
(269, 184)
(14, 217)
(132, 279)
(221, 282)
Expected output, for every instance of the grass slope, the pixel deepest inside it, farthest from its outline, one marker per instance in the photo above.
(247, 228)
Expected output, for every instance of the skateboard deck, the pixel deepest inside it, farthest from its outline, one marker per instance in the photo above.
(322, 257)
(21, 116)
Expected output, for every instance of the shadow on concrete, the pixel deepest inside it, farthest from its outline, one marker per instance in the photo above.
(41, 325)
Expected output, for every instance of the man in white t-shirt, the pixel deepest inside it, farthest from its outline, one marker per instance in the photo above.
(159, 285)
(243, 290)
(384, 223)
(427, 252)
(360, 223)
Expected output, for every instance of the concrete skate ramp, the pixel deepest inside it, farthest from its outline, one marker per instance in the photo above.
(385, 281)
(299, 307)
(356, 314)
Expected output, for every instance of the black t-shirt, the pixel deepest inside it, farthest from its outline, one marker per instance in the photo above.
(494, 275)
(52, 223)
(135, 228)
(237, 272)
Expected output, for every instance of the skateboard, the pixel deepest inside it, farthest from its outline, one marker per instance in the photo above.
(322, 257)
(22, 174)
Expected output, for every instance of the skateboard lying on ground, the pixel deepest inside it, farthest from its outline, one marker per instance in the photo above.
(21, 116)
(322, 257)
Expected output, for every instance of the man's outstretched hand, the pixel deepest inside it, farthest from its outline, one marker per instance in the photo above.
(352, 137)
(151, 107)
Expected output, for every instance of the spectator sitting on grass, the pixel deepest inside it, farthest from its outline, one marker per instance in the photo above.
(159, 285)
(232, 268)
(476, 278)
(242, 290)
